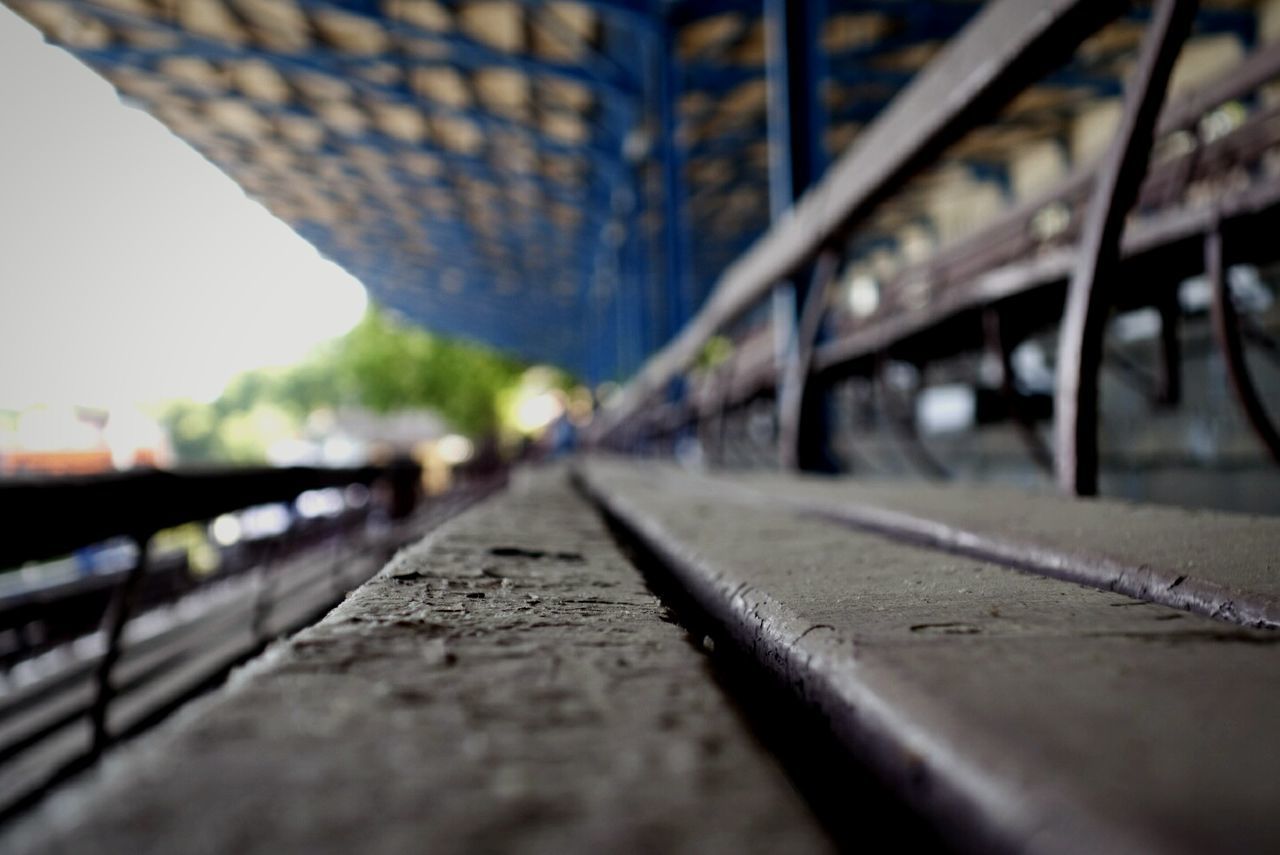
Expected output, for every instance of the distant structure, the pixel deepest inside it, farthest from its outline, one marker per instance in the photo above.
(54, 440)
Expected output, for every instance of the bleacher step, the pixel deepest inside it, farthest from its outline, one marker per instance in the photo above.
(1022, 712)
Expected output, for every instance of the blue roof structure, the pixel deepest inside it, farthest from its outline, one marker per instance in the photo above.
(561, 179)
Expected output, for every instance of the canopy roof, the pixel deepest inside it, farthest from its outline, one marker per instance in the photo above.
(562, 180)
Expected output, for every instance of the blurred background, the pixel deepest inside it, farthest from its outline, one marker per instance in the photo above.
(153, 315)
(152, 318)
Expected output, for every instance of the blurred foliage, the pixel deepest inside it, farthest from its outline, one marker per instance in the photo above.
(387, 366)
(715, 352)
(381, 364)
(192, 539)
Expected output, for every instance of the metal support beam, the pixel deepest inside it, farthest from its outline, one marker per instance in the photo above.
(1089, 294)
(796, 159)
(1226, 328)
(677, 308)
(802, 425)
(794, 72)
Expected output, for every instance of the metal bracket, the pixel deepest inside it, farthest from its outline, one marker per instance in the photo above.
(794, 376)
(1226, 329)
(1119, 178)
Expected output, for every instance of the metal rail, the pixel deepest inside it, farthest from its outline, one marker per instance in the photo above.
(51, 516)
(59, 724)
(1003, 261)
(979, 70)
(46, 517)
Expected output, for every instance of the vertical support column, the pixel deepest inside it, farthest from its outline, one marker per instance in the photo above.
(1120, 175)
(678, 306)
(796, 159)
(794, 372)
(794, 69)
(675, 229)
(643, 277)
(628, 121)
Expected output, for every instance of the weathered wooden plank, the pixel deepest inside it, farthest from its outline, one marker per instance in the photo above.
(508, 685)
(1025, 713)
(1218, 564)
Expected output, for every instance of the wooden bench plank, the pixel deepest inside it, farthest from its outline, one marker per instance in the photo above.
(509, 684)
(1222, 565)
(1024, 712)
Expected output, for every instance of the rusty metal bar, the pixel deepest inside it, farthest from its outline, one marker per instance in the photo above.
(1226, 329)
(1089, 294)
(795, 379)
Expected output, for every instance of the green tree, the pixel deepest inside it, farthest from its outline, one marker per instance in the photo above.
(385, 365)
(380, 364)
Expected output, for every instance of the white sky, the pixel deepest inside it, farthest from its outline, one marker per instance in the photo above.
(131, 269)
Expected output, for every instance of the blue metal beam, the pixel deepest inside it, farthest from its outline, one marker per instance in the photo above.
(797, 157)
(678, 303)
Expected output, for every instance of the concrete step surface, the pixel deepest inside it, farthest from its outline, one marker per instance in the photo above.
(1223, 565)
(1023, 713)
(508, 685)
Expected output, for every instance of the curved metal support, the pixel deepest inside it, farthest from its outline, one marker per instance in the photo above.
(1226, 329)
(795, 370)
(1000, 345)
(902, 419)
(1088, 297)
